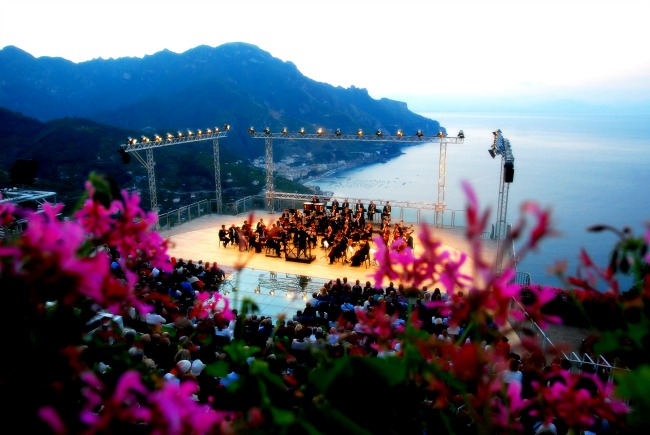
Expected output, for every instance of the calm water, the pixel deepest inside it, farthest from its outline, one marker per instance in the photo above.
(589, 169)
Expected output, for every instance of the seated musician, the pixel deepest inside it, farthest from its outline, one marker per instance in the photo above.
(328, 236)
(274, 239)
(223, 236)
(367, 232)
(360, 254)
(339, 247)
(313, 237)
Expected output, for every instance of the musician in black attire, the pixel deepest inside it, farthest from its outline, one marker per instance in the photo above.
(301, 239)
(360, 254)
(223, 236)
(339, 247)
(372, 209)
(385, 214)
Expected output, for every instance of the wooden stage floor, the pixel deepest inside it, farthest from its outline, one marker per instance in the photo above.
(198, 240)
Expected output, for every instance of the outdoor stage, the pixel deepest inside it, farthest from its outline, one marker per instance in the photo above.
(198, 240)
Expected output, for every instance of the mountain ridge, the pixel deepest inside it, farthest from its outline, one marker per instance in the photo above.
(236, 83)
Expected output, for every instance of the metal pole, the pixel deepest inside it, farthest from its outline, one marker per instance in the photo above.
(270, 188)
(217, 174)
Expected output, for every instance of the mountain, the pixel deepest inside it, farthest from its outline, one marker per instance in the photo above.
(236, 83)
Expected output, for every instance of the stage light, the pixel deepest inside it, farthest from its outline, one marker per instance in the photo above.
(461, 135)
(144, 139)
(302, 130)
(169, 136)
(360, 133)
(257, 290)
(251, 130)
(441, 134)
(379, 134)
(131, 141)
(199, 132)
(419, 133)
(216, 130)
(285, 131)
(493, 152)
(179, 134)
(189, 133)
(157, 138)
(267, 130)
(304, 297)
(399, 133)
(272, 292)
(208, 131)
(319, 132)
(338, 131)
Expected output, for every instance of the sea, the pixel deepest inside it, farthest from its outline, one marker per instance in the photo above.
(586, 169)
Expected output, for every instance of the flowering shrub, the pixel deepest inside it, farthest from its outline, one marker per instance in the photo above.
(388, 375)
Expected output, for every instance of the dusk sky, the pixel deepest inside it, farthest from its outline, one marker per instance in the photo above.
(420, 52)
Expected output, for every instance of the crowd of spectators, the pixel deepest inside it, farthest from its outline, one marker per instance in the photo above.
(172, 344)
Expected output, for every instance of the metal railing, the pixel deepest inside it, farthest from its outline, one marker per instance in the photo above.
(408, 212)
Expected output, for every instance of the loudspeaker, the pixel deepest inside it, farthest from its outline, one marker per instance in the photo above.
(509, 174)
(23, 172)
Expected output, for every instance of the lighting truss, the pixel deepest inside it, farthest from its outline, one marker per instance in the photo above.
(148, 145)
(378, 136)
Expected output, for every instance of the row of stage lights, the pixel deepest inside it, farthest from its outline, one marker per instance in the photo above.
(178, 135)
(378, 133)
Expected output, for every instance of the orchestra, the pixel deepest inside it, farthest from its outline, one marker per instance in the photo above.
(338, 227)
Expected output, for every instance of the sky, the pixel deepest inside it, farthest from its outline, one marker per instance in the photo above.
(433, 55)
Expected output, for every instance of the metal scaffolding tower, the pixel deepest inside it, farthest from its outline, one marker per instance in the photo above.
(133, 146)
(268, 137)
(501, 146)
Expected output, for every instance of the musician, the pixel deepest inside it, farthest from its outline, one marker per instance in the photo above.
(409, 240)
(367, 232)
(339, 246)
(328, 236)
(385, 232)
(372, 209)
(358, 206)
(335, 206)
(274, 239)
(397, 232)
(385, 213)
(360, 254)
(223, 236)
(301, 238)
(232, 234)
(312, 235)
(314, 200)
(261, 227)
(359, 219)
(346, 204)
